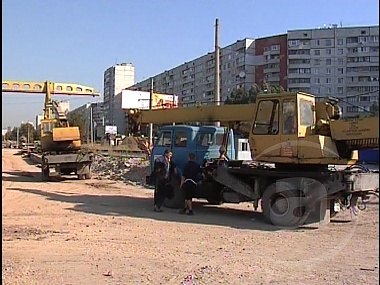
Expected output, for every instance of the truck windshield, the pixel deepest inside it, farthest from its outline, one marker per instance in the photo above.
(210, 139)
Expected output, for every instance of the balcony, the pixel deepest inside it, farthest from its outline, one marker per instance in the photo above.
(270, 52)
(298, 85)
(270, 70)
(299, 75)
(298, 56)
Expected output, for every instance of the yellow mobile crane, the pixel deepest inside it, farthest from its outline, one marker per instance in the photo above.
(60, 143)
(303, 155)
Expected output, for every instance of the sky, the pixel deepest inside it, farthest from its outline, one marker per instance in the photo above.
(75, 41)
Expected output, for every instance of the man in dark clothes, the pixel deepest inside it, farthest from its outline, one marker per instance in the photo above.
(163, 167)
(190, 177)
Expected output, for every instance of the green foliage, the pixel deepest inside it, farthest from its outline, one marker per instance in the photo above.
(238, 96)
(25, 131)
(241, 96)
(77, 120)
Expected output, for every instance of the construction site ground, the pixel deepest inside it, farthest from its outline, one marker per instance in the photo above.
(106, 232)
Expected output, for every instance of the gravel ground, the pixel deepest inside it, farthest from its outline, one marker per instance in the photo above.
(103, 231)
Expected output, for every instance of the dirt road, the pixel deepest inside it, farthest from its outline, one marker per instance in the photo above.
(103, 232)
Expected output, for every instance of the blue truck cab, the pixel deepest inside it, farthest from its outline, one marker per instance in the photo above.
(203, 141)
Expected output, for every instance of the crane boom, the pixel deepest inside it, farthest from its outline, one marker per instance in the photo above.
(203, 113)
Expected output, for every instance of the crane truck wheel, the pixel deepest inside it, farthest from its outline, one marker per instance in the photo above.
(44, 172)
(282, 205)
(177, 198)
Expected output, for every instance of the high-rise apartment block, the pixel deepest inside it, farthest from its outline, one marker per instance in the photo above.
(338, 62)
(333, 61)
(116, 78)
(194, 81)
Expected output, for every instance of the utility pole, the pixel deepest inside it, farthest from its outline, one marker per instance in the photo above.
(150, 136)
(18, 137)
(217, 68)
(91, 125)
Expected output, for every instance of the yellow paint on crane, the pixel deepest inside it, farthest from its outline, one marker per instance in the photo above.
(44, 87)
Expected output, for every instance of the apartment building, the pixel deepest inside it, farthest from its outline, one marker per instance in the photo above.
(333, 61)
(272, 63)
(194, 81)
(336, 61)
(116, 78)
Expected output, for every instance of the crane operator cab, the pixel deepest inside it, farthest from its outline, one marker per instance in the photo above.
(284, 131)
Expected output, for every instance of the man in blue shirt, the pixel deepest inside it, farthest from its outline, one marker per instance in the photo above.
(189, 180)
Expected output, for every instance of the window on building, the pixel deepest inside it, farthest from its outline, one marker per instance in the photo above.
(275, 47)
(317, 80)
(340, 60)
(340, 42)
(340, 80)
(374, 39)
(340, 51)
(293, 43)
(317, 61)
(328, 42)
(328, 70)
(340, 70)
(328, 80)
(315, 71)
(328, 90)
(328, 61)
(328, 51)
(317, 52)
(340, 90)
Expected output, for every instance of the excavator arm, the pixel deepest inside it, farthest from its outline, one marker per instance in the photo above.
(54, 126)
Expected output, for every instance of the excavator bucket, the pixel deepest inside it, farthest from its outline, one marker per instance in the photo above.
(66, 134)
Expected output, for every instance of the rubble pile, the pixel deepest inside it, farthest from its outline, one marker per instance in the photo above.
(130, 170)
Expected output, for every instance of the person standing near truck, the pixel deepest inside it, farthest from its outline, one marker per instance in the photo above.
(189, 180)
(163, 167)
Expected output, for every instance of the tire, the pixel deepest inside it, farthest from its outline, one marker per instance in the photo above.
(88, 175)
(178, 199)
(332, 212)
(81, 176)
(282, 205)
(44, 173)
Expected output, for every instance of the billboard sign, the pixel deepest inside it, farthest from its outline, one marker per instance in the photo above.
(111, 130)
(131, 99)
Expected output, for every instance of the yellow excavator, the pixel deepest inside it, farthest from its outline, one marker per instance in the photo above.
(60, 143)
(303, 165)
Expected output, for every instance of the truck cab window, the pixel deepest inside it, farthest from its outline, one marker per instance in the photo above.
(289, 116)
(306, 113)
(266, 122)
(180, 139)
(206, 139)
(165, 139)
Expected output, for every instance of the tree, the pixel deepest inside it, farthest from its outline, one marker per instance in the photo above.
(238, 96)
(78, 119)
(26, 132)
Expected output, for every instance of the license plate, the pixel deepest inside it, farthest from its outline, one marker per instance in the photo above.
(336, 207)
